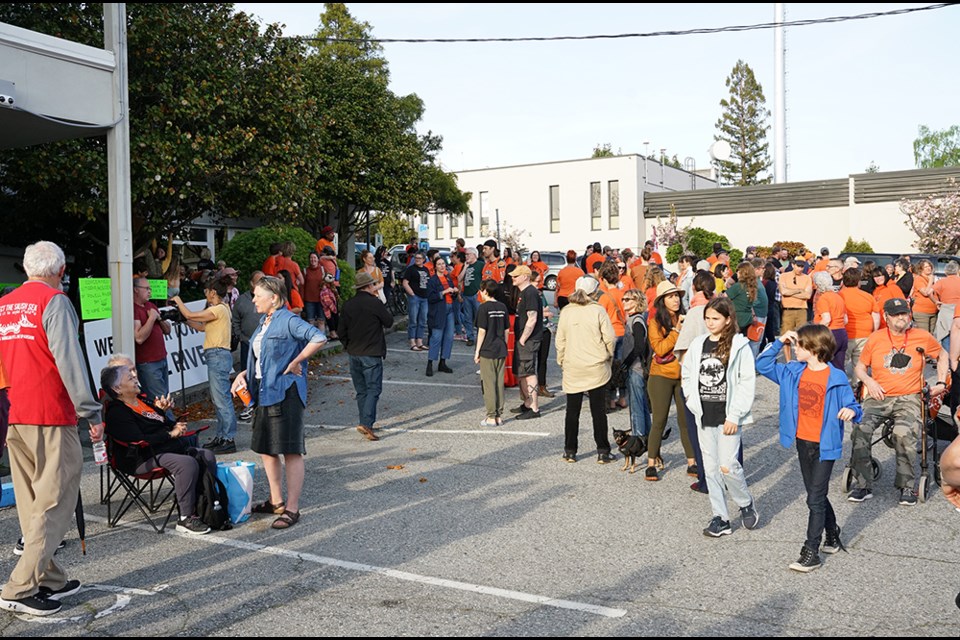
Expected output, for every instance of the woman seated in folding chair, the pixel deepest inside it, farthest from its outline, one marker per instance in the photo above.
(129, 418)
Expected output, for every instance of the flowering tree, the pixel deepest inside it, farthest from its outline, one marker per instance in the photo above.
(667, 234)
(936, 220)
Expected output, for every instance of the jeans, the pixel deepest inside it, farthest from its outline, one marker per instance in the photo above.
(441, 340)
(721, 450)
(694, 436)
(639, 408)
(314, 310)
(840, 355)
(367, 374)
(470, 307)
(816, 479)
(598, 411)
(457, 316)
(154, 379)
(219, 365)
(416, 317)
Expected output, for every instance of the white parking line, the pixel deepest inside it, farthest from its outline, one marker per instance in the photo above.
(508, 594)
(465, 355)
(409, 383)
(491, 431)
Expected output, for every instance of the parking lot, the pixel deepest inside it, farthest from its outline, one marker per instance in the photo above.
(447, 528)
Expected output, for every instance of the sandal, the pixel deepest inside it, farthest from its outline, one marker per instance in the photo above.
(286, 520)
(268, 507)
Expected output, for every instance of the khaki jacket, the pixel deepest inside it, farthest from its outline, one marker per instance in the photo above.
(585, 344)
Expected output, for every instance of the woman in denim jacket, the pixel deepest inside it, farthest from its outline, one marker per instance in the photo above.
(278, 347)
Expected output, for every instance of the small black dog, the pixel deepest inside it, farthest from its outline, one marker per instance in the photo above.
(632, 447)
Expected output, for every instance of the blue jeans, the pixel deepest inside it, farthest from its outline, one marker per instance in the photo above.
(720, 450)
(416, 317)
(470, 307)
(154, 379)
(367, 374)
(457, 316)
(639, 408)
(441, 340)
(219, 364)
(314, 311)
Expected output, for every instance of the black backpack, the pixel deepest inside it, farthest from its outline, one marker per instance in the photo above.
(212, 499)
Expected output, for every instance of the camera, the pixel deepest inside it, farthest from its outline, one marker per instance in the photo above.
(171, 313)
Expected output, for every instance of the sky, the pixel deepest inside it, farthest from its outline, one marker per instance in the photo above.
(856, 91)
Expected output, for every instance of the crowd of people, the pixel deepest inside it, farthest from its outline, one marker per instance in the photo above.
(845, 342)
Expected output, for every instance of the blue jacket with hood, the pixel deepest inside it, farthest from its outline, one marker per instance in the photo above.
(839, 396)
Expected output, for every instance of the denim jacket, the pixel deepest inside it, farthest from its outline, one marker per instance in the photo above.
(286, 336)
(839, 396)
(741, 380)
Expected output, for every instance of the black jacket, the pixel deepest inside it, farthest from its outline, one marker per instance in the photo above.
(362, 321)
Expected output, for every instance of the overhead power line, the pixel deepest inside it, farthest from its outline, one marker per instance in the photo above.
(652, 34)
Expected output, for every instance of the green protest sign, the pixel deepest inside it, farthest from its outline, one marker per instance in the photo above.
(95, 301)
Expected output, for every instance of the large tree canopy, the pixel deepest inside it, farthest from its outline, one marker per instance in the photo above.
(743, 126)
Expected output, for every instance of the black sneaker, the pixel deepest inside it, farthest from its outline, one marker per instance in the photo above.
(192, 525)
(605, 458)
(529, 414)
(860, 494)
(692, 470)
(35, 605)
(717, 527)
(247, 413)
(212, 444)
(18, 548)
(225, 446)
(470, 343)
(651, 474)
(749, 516)
(521, 409)
(832, 542)
(808, 561)
(569, 457)
(72, 587)
(908, 497)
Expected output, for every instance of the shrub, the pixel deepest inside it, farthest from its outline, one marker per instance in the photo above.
(348, 275)
(247, 251)
(854, 246)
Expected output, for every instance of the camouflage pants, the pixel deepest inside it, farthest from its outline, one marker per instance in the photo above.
(905, 412)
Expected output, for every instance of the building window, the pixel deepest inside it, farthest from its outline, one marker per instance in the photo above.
(454, 226)
(484, 213)
(613, 195)
(595, 206)
(438, 226)
(469, 232)
(555, 209)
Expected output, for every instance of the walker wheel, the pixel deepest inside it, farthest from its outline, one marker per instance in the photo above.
(886, 433)
(923, 489)
(847, 481)
(875, 465)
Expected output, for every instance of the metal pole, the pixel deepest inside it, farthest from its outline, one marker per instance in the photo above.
(779, 99)
(498, 226)
(368, 228)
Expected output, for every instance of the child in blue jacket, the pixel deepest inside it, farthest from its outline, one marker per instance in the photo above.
(815, 399)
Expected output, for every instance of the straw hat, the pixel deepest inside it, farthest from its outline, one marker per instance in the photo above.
(665, 288)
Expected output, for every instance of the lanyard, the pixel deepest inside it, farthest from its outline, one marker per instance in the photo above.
(906, 337)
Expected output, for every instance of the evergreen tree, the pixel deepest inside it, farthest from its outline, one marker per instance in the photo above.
(743, 126)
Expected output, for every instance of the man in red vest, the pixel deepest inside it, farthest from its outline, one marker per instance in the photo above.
(48, 389)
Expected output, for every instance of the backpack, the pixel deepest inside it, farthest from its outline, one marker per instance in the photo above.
(212, 499)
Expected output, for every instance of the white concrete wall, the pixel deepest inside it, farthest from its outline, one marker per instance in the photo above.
(522, 195)
(880, 224)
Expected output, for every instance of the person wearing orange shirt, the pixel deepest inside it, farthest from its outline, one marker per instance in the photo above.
(271, 266)
(895, 357)
(567, 279)
(863, 318)
(924, 306)
(795, 289)
(823, 261)
(326, 240)
(286, 262)
(491, 264)
(455, 269)
(594, 259)
(946, 293)
(655, 257)
(626, 282)
(830, 311)
(638, 270)
(885, 289)
(539, 269)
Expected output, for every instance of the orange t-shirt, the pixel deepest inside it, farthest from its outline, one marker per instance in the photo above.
(614, 309)
(4, 384)
(656, 257)
(285, 263)
(594, 259)
(567, 280)
(948, 289)
(860, 307)
(884, 293)
(491, 271)
(627, 282)
(894, 362)
(821, 265)
(296, 302)
(455, 274)
(811, 393)
(651, 294)
(922, 303)
(539, 268)
(323, 242)
(271, 266)
(638, 271)
(831, 303)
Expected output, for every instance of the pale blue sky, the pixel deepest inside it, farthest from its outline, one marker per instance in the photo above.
(856, 91)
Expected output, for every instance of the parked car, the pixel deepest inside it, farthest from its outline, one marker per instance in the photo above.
(554, 261)
(939, 260)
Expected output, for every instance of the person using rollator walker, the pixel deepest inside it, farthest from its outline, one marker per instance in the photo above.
(895, 357)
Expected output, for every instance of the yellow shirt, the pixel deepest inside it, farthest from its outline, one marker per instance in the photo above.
(217, 332)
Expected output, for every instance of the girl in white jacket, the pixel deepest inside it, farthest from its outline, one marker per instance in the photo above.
(718, 378)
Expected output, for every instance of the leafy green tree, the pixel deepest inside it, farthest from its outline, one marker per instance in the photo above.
(604, 150)
(856, 246)
(395, 229)
(872, 168)
(937, 148)
(743, 125)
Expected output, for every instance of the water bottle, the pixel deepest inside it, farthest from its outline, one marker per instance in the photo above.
(99, 453)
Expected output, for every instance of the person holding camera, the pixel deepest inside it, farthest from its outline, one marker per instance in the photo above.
(215, 323)
(149, 330)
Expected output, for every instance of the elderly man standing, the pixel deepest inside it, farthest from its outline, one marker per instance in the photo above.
(40, 349)
(895, 357)
(149, 330)
(362, 322)
(471, 277)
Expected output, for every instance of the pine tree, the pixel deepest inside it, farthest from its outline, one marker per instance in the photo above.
(743, 126)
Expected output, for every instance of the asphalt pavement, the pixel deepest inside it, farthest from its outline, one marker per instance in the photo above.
(444, 527)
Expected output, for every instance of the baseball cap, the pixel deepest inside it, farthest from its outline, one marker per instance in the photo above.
(896, 306)
(521, 270)
(703, 265)
(587, 284)
(799, 260)
(490, 243)
(824, 251)
(326, 230)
